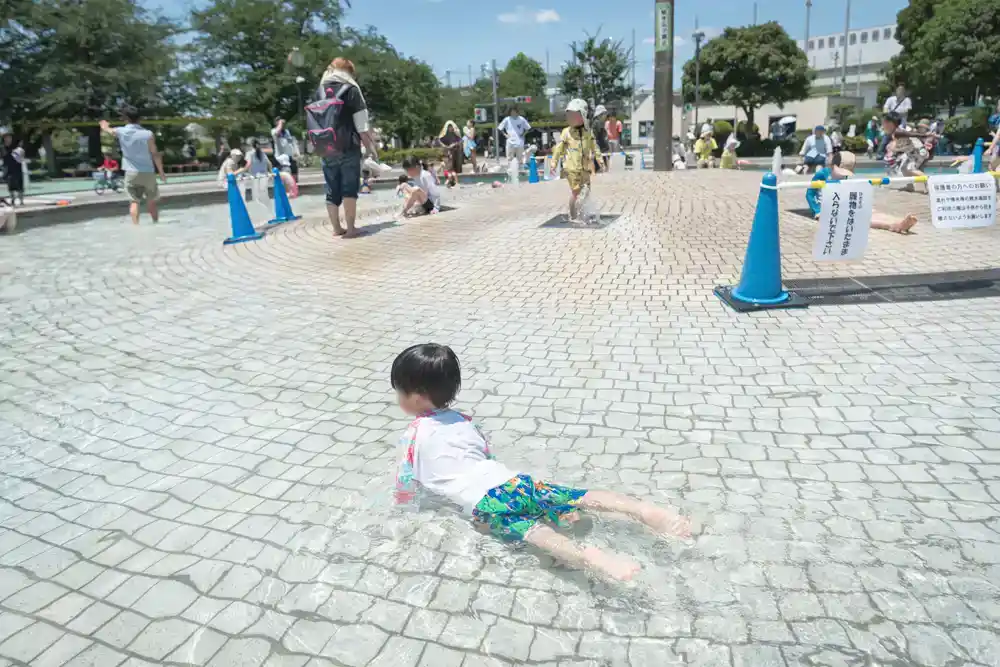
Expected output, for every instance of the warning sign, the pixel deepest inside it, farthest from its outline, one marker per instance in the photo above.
(963, 200)
(844, 221)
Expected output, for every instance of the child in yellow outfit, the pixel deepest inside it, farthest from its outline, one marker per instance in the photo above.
(576, 148)
(703, 150)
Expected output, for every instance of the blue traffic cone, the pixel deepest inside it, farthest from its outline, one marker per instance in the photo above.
(642, 159)
(532, 170)
(242, 227)
(977, 156)
(282, 208)
(760, 283)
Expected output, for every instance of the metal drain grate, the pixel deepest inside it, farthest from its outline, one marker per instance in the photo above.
(561, 221)
(945, 286)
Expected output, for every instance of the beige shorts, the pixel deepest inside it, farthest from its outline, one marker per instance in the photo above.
(141, 186)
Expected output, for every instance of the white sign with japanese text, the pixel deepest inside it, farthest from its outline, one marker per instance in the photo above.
(844, 221)
(664, 29)
(963, 200)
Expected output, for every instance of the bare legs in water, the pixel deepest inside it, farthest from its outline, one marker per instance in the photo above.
(616, 566)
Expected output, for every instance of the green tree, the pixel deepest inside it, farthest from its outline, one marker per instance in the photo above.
(598, 72)
(750, 67)
(241, 53)
(81, 59)
(949, 51)
(402, 93)
(522, 76)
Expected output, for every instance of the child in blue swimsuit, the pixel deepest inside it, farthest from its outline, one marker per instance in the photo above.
(445, 453)
(841, 166)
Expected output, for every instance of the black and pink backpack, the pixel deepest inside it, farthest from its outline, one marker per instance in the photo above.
(330, 133)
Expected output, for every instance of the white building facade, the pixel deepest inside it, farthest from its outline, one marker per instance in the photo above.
(868, 53)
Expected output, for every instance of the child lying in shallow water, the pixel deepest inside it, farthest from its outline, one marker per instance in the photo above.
(446, 454)
(840, 165)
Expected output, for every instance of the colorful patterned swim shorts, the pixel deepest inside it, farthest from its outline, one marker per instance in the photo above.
(515, 507)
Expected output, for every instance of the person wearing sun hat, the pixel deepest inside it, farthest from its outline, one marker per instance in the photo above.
(577, 149)
(816, 148)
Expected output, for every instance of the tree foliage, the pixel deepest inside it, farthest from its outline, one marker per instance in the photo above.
(750, 67)
(598, 72)
(402, 93)
(522, 76)
(949, 51)
(81, 59)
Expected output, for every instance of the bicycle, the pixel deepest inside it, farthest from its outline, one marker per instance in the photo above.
(115, 183)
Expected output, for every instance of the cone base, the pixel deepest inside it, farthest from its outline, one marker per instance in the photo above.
(783, 300)
(256, 236)
(278, 221)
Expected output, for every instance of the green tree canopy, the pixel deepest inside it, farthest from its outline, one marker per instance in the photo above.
(598, 72)
(749, 67)
(949, 51)
(402, 93)
(522, 76)
(81, 60)
(241, 53)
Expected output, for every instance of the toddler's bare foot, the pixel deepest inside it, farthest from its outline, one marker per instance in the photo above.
(338, 231)
(906, 225)
(614, 566)
(665, 522)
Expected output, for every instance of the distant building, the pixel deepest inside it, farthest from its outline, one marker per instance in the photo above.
(868, 53)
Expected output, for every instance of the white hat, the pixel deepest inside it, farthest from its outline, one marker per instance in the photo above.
(577, 105)
(600, 110)
(236, 152)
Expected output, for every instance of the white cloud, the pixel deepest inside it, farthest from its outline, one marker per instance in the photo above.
(521, 14)
(546, 16)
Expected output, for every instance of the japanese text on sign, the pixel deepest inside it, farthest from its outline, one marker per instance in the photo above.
(963, 200)
(664, 29)
(844, 222)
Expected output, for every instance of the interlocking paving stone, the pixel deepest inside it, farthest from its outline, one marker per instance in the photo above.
(197, 442)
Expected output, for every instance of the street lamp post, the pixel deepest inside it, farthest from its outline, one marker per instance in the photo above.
(805, 44)
(847, 30)
(663, 87)
(297, 61)
(698, 37)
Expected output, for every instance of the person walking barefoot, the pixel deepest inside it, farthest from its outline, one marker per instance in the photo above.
(139, 155)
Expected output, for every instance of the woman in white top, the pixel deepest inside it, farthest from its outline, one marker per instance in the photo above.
(259, 164)
(469, 141)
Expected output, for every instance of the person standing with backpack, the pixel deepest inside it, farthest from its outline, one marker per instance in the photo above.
(338, 125)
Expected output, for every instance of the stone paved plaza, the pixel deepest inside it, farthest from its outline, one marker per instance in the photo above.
(197, 442)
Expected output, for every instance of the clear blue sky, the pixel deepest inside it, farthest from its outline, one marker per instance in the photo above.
(454, 34)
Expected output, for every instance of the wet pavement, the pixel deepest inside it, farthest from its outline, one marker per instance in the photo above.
(197, 442)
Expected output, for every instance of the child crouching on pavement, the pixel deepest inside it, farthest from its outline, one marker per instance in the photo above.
(577, 149)
(423, 196)
(446, 454)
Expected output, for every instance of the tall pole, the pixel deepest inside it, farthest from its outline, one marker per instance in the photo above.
(663, 87)
(631, 103)
(496, 112)
(470, 76)
(755, 13)
(447, 78)
(805, 44)
(857, 91)
(843, 66)
(698, 36)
